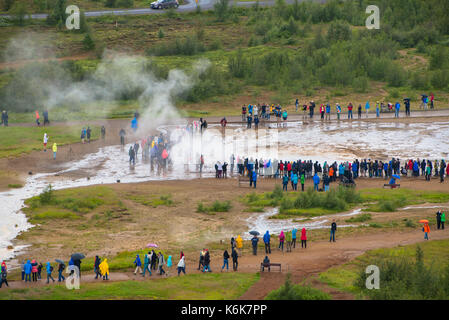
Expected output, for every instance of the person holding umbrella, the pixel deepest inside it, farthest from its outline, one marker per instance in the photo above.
(254, 242)
(76, 259)
(425, 229)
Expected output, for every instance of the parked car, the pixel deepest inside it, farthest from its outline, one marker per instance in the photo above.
(164, 4)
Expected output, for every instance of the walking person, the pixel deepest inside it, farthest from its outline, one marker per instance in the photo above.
(235, 260)
(333, 230)
(138, 265)
(146, 264)
(97, 267)
(182, 265)
(61, 268)
(266, 241)
(225, 260)
(49, 269)
(303, 238)
(281, 240)
(104, 269)
(37, 118)
(169, 265)
(161, 262)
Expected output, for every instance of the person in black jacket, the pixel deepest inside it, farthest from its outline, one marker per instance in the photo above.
(225, 260)
(61, 268)
(254, 242)
(333, 230)
(97, 267)
(438, 219)
(235, 258)
(153, 260)
(207, 262)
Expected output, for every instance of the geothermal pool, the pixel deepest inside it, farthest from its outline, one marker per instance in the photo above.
(320, 141)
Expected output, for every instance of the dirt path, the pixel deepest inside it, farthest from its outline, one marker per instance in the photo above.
(301, 263)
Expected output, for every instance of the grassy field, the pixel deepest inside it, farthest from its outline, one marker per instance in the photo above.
(226, 286)
(436, 255)
(312, 204)
(15, 141)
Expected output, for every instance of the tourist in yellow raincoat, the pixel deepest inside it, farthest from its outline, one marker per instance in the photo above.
(239, 243)
(104, 269)
(55, 149)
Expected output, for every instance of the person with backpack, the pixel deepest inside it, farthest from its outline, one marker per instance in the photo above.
(146, 265)
(34, 270)
(328, 111)
(138, 265)
(235, 260)
(49, 269)
(153, 260)
(61, 267)
(4, 274)
(27, 270)
(182, 264)
(338, 109)
(225, 260)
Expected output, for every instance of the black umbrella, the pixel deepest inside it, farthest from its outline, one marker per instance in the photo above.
(59, 261)
(77, 256)
(254, 233)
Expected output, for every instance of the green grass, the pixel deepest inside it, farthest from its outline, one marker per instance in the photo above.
(15, 141)
(436, 254)
(216, 206)
(73, 203)
(290, 291)
(359, 218)
(213, 286)
(15, 185)
(163, 200)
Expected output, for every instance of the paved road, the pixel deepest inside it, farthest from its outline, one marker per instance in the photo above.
(190, 6)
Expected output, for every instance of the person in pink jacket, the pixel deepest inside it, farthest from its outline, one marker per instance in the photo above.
(281, 240)
(303, 238)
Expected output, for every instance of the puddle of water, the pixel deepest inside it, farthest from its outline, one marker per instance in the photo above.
(261, 222)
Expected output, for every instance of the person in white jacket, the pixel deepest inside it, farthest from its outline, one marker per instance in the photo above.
(45, 142)
(182, 265)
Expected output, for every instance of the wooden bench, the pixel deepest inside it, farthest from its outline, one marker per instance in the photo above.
(244, 180)
(268, 265)
(392, 186)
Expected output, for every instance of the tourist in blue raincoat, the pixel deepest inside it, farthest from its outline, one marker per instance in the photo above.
(138, 265)
(316, 181)
(266, 240)
(27, 269)
(253, 179)
(285, 182)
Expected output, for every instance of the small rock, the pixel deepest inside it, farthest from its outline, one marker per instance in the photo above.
(10, 247)
(30, 173)
(118, 180)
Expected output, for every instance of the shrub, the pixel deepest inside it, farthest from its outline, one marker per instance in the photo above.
(160, 33)
(222, 10)
(360, 218)
(290, 291)
(125, 3)
(339, 31)
(110, 3)
(88, 42)
(46, 197)
(217, 206)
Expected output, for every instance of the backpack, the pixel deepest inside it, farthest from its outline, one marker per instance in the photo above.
(51, 268)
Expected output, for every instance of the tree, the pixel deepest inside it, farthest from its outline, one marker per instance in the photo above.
(18, 13)
(58, 13)
(88, 42)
